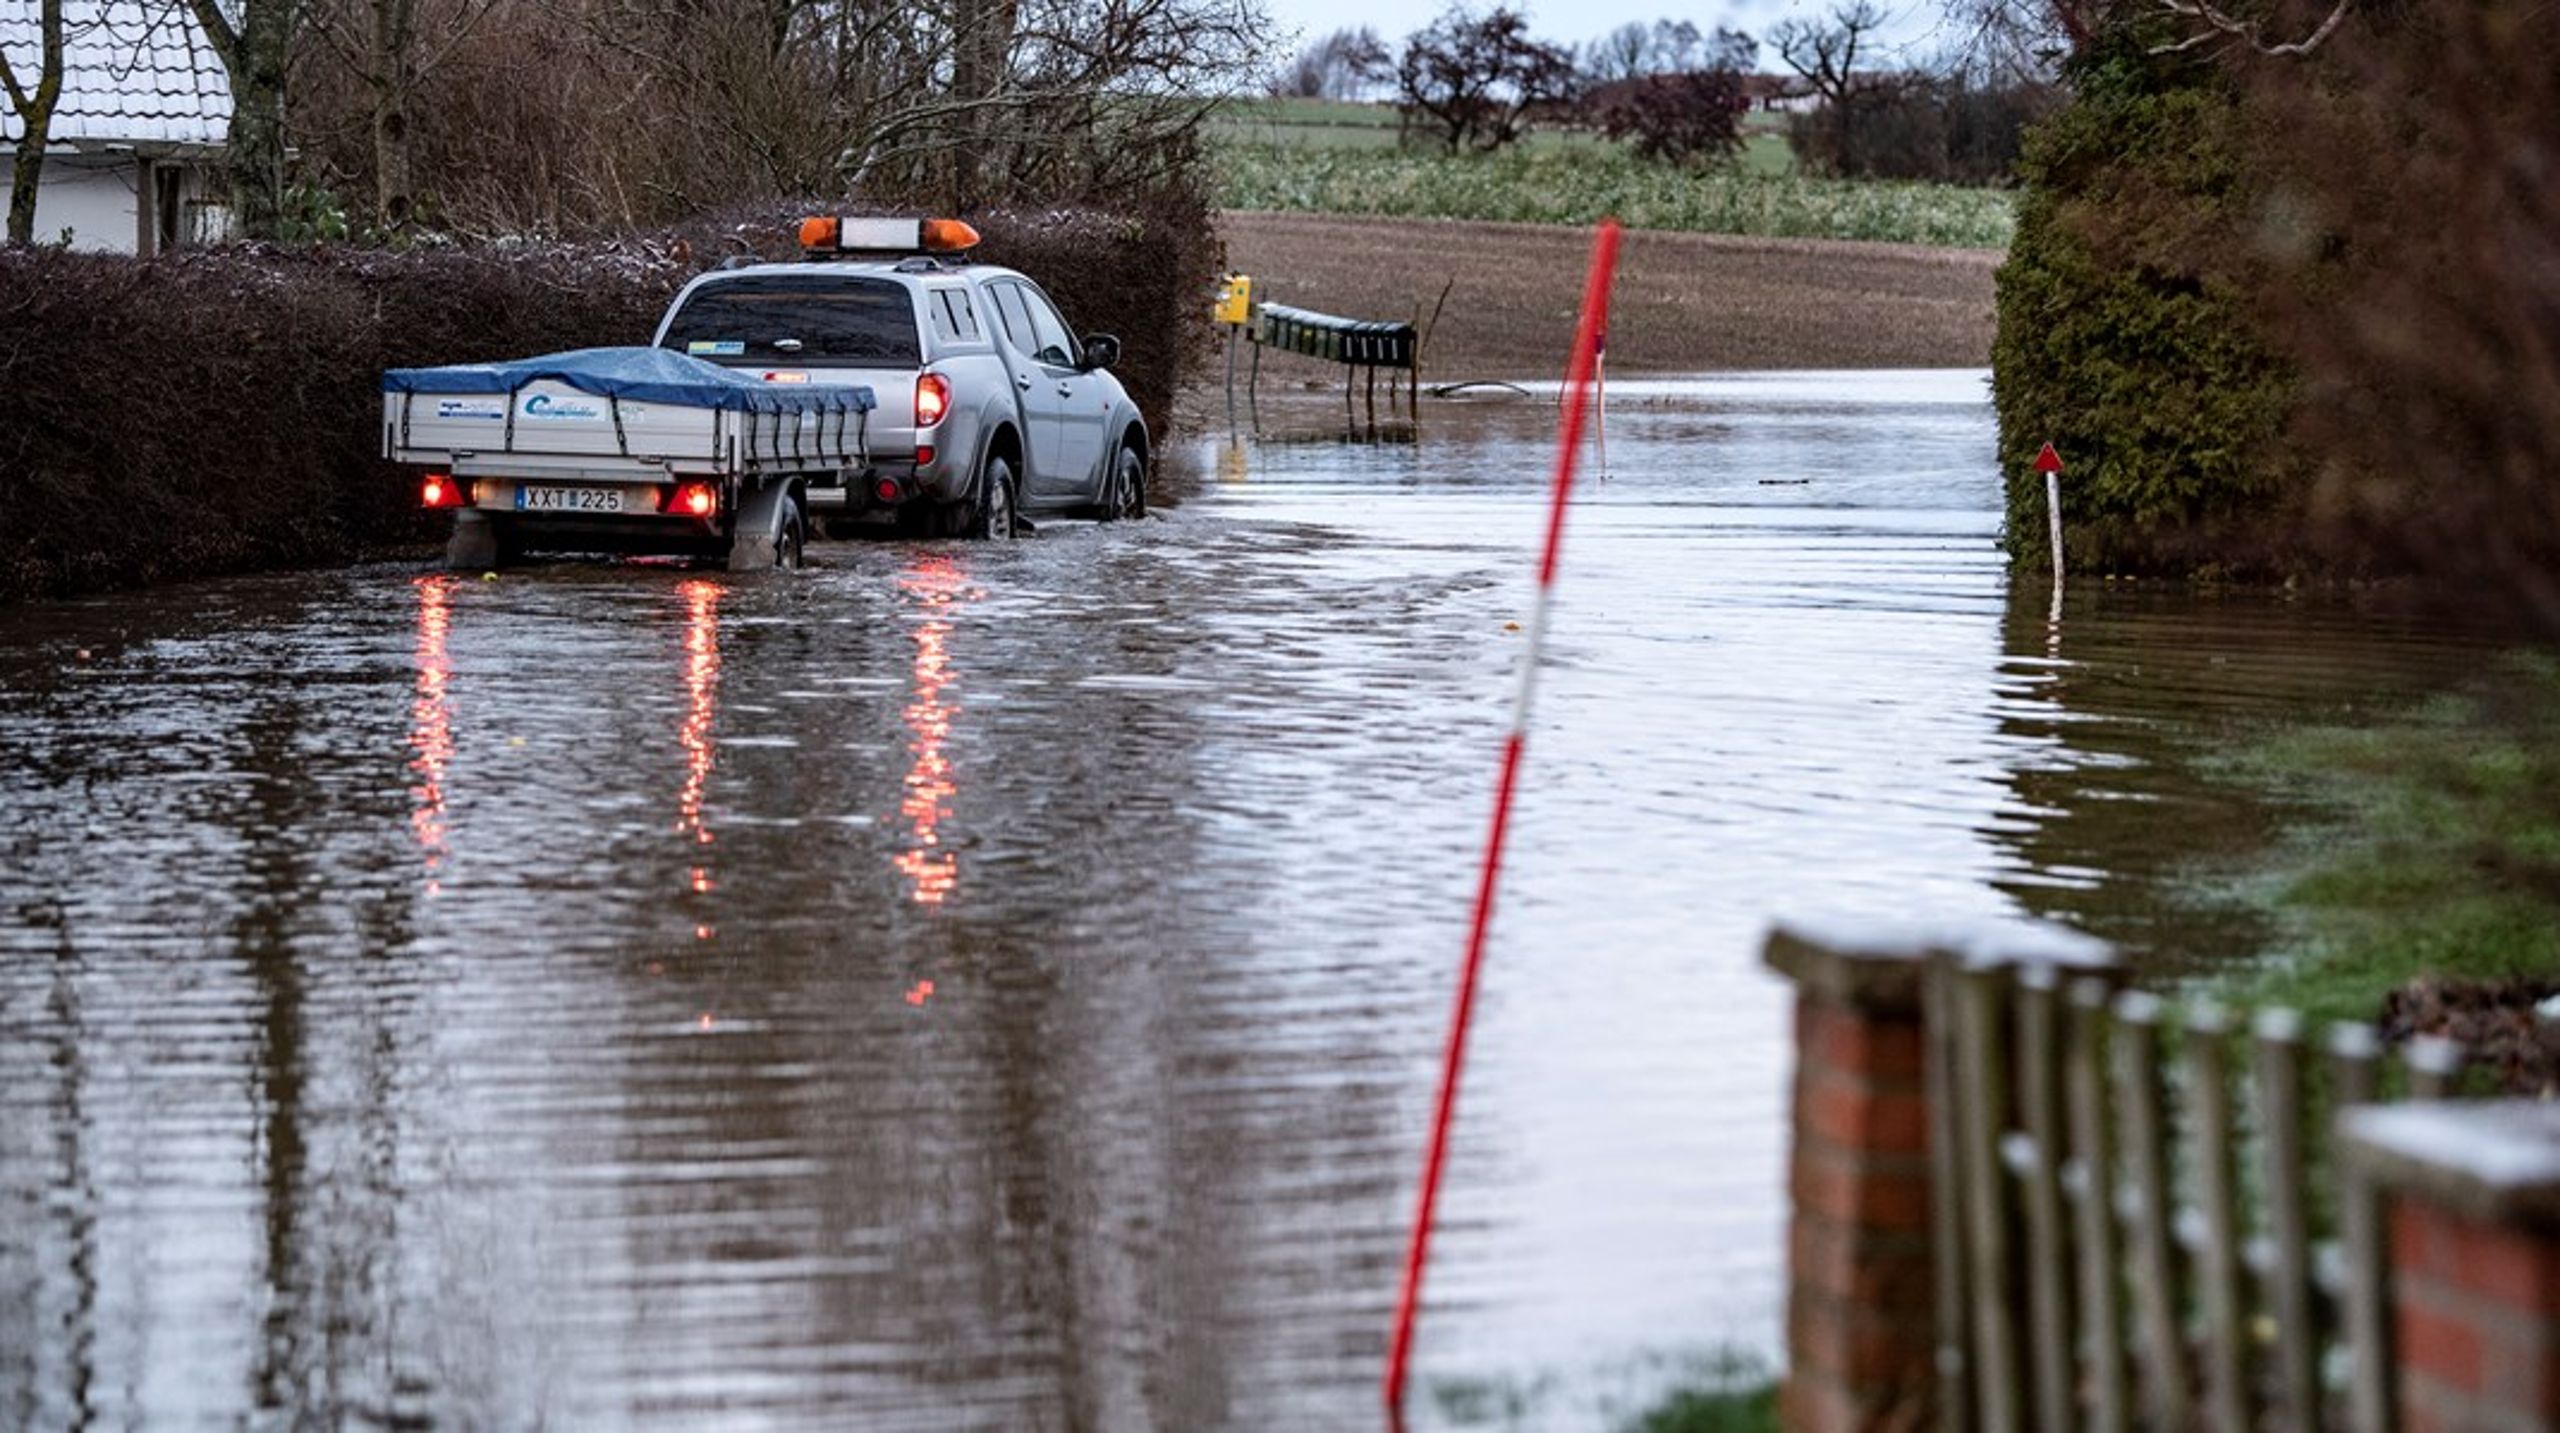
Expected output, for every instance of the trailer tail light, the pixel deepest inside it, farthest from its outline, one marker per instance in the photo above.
(439, 490)
(694, 500)
(933, 399)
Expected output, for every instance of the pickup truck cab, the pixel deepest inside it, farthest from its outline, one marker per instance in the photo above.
(989, 408)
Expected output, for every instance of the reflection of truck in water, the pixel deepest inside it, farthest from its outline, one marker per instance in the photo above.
(892, 385)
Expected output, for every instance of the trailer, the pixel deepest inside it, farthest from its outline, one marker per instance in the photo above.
(623, 450)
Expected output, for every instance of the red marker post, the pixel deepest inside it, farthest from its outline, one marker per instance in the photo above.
(1577, 384)
(2051, 467)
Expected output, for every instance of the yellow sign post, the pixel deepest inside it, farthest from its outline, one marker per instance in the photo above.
(1234, 310)
(1235, 301)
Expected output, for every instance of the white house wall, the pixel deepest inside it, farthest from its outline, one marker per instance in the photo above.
(92, 199)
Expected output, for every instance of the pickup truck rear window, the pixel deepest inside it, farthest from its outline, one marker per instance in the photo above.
(816, 319)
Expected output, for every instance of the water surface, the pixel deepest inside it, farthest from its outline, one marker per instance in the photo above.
(968, 987)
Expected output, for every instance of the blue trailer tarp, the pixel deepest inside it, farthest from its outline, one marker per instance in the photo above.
(643, 375)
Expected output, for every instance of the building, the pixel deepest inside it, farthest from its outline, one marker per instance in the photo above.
(1781, 94)
(134, 161)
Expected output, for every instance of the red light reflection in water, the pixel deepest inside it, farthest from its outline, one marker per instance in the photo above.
(431, 724)
(933, 584)
(702, 708)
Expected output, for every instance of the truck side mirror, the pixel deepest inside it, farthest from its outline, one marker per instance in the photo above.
(1101, 350)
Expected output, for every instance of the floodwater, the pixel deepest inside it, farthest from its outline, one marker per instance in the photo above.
(962, 987)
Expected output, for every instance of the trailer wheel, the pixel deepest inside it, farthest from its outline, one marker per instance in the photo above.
(787, 544)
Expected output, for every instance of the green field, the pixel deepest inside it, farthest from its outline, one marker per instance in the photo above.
(1333, 124)
(1331, 157)
(1579, 185)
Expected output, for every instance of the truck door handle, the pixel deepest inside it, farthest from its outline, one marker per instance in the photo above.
(1066, 391)
(1023, 383)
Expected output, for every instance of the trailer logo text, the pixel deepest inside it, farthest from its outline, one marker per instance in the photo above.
(543, 405)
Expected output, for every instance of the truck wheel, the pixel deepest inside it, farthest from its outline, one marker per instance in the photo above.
(993, 512)
(1125, 495)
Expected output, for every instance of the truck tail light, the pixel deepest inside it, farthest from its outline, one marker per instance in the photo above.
(887, 488)
(439, 490)
(933, 399)
(694, 500)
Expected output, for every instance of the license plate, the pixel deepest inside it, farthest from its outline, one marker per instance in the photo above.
(531, 497)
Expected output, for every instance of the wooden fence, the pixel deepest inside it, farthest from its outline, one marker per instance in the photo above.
(2024, 1197)
(2149, 1225)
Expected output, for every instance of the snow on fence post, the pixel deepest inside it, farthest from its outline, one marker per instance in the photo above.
(2473, 1189)
(1877, 1301)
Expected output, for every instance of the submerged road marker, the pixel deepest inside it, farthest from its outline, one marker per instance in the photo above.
(1577, 384)
(2049, 463)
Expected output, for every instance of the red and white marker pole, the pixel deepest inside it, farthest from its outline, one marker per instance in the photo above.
(1577, 384)
(2049, 463)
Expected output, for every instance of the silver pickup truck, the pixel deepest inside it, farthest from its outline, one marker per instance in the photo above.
(990, 408)
(883, 382)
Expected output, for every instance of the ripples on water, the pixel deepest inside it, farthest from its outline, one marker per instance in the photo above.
(999, 988)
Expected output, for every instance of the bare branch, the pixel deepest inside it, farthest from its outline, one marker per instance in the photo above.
(2220, 24)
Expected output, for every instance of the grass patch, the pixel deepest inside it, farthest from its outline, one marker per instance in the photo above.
(1584, 183)
(2441, 857)
(1721, 1390)
(1713, 1410)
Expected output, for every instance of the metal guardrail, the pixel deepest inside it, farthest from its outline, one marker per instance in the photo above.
(1335, 339)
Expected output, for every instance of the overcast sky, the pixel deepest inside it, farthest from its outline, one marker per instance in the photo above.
(1580, 20)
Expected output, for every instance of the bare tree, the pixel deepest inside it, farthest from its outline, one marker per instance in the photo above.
(1622, 54)
(2025, 39)
(34, 108)
(1345, 65)
(256, 52)
(1470, 80)
(1636, 49)
(2213, 23)
(392, 48)
(554, 115)
(1692, 117)
(1826, 53)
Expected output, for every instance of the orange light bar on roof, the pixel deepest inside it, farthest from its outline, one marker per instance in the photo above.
(948, 236)
(887, 236)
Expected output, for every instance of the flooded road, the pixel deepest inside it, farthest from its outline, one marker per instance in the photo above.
(1000, 988)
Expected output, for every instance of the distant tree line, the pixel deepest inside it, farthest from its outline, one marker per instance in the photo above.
(1476, 80)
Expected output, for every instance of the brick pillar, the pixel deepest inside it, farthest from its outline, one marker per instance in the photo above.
(1861, 1323)
(2473, 1190)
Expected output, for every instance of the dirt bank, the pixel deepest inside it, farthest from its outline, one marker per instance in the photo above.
(1685, 302)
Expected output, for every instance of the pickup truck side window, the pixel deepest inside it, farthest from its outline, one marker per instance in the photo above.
(1009, 312)
(806, 319)
(953, 319)
(1051, 345)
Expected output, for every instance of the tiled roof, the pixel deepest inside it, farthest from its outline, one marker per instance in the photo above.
(134, 72)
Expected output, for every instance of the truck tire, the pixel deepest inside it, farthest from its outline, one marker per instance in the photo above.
(995, 510)
(1124, 493)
